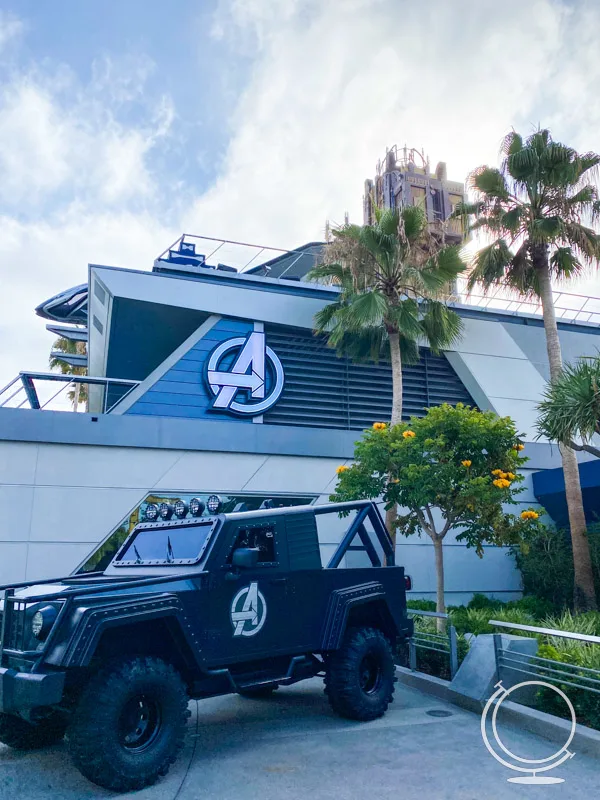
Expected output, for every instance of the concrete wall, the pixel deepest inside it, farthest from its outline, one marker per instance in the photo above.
(58, 501)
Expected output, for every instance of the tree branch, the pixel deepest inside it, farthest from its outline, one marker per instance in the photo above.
(425, 525)
(588, 448)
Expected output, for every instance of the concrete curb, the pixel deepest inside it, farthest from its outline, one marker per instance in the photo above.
(586, 740)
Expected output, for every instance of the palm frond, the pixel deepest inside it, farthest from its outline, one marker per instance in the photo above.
(441, 325)
(328, 273)
(521, 164)
(414, 221)
(564, 263)
(584, 239)
(366, 310)
(490, 264)
(327, 317)
(571, 406)
(405, 317)
(491, 182)
(511, 143)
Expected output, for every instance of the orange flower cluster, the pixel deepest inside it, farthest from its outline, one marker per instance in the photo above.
(341, 469)
(409, 434)
(529, 515)
(518, 447)
(501, 483)
(379, 426)
(466, 463)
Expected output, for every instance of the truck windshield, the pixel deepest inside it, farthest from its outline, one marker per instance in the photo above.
(166, 545)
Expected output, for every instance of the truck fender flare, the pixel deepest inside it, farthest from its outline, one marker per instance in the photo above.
(338, 610)
(94, 621)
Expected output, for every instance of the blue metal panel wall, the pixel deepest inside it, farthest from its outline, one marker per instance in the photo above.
(182, 392)
(321, 390)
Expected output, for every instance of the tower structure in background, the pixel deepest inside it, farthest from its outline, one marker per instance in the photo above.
(404, 178)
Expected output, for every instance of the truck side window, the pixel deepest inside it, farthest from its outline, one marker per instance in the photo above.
(260, 536)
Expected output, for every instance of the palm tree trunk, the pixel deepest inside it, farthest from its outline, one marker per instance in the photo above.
(396, 359)
(76, 391)
(391, 515)
(584, 592)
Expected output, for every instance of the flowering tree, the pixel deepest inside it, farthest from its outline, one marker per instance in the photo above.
(456, 468)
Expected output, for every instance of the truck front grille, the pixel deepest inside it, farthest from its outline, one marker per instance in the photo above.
(14, 635)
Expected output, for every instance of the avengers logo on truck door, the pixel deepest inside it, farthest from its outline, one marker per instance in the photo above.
(248, 611)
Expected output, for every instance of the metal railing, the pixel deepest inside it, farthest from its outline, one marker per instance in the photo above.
(573, 675)
(240, 255)
(568, 306)
(445, 643)
(22, 391)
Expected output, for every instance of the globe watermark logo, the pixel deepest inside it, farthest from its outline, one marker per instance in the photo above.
(534, 766)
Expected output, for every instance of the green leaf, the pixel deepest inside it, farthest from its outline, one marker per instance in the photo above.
(367, 309)
(571, 406)
(564, 263)
(442, 327)
(490, 181)
(414, 221)
(490, 264)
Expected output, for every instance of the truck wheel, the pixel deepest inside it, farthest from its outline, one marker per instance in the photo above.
(22, 735)
(360, 676)
(129, 724)
(258, 692)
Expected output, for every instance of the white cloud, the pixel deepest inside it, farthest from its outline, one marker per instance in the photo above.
(56, 136)
(11, 28)
(330, 90)
(39, 259)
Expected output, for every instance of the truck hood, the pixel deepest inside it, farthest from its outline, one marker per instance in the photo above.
(32, 591)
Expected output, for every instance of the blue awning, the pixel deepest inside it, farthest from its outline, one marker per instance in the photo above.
(549, 489)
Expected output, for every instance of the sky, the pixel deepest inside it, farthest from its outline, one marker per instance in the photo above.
(125, 124)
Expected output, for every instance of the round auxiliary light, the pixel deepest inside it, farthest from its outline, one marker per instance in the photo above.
(165, 510)
(151, 512)
(214, 504)
(181, 509)
(196, 507)
(42, 622)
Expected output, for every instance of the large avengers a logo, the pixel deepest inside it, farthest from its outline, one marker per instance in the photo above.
(241, 386)
(248, 611)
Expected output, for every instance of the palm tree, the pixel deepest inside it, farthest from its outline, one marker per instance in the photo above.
(571, 406)
(536, 207)
(394, 277)
(78, 394)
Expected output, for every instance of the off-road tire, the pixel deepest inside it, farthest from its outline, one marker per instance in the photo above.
(22, 735)
(258, 692)
(99, 744)
(360, 676)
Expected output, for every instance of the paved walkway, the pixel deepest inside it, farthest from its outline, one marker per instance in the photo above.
(291, 746)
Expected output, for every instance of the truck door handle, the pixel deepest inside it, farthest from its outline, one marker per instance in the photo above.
(278, 580)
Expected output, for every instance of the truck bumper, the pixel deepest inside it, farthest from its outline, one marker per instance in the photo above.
(23, 690)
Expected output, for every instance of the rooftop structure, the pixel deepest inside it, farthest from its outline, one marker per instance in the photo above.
(403, 178)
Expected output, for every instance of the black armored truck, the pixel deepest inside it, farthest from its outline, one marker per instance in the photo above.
(192, 607)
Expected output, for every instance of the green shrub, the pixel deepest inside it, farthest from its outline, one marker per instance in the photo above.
(578, 654)
(546, 565)
(536, 606)
(421, 605)
(472, 620)
(482, 601)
